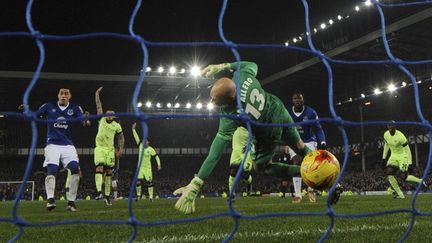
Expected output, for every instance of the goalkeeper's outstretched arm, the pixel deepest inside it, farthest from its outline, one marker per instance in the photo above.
(186, 203)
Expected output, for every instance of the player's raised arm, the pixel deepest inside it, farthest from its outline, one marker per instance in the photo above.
(98, 102)
(135, 134)
(213, 69)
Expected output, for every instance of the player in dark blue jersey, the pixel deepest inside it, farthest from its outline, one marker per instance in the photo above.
(59, 146)
(312, 135)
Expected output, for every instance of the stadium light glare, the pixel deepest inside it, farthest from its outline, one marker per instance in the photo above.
(419, 82)
(188, 105)
(368, 3)
(300, 38)
(160, 69)
(315, 30)
(172, 70)
(307, 33)
(294, 40)
(363, 95)
(391, 87)
(139, 104)
(404, 84)
(199, 105)
(339, 17)
(177, 105)
(158, 105)
(286, 44)
(377, 91)
(169, 105)
(195, 71)
(331, 21)
(323, 26)
(357, 8)
(210, 106)
(148, 69)
(148, 104)
(367, 103)
(182, 70)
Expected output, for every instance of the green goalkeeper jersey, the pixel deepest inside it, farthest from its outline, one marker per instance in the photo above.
(106, 133)
(258, 104)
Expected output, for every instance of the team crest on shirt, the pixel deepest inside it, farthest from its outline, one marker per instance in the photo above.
(53, 110)
(70, 112)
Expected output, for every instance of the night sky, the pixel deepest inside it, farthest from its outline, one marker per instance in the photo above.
(245, 21)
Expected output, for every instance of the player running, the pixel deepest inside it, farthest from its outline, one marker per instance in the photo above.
(311, 134)
(105, 153)
(400, 159)
(260, 106)
(145, 170)
(59, 145)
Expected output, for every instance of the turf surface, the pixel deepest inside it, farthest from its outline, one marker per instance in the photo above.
(388, 228)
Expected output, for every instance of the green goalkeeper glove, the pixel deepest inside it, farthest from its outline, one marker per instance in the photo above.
(186, 202)
(211, 70)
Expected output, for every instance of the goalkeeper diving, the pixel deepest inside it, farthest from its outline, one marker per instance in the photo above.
(260, 106)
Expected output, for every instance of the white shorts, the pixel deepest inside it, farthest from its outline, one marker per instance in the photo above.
(56, 153)
(312, 145)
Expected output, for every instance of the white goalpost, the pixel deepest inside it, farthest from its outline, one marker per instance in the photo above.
(30, 188)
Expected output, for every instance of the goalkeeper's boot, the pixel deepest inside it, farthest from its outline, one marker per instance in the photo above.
(336, 195)
(71, 206)
(100, 196)
(311, 195)
(297, 200)
(50, 204)
(107, 201)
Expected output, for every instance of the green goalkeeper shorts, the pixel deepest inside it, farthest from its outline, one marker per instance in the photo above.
(104, 156)
(239, 143)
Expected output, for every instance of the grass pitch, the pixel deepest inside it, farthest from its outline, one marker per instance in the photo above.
(387, 228)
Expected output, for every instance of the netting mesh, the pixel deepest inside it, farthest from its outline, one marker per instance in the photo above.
(29, 115)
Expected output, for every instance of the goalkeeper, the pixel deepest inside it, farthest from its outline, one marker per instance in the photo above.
(239, 143)
(145, 170)
(399, 163)
(260, 106)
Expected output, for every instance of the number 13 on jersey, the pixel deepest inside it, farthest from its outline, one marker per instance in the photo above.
(256, 105)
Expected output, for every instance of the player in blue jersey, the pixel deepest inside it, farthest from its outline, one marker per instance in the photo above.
(311, 134)
(59, 146)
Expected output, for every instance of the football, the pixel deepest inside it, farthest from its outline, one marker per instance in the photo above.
(320, 169)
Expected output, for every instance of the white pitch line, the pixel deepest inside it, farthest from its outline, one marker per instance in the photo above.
(268, 234)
